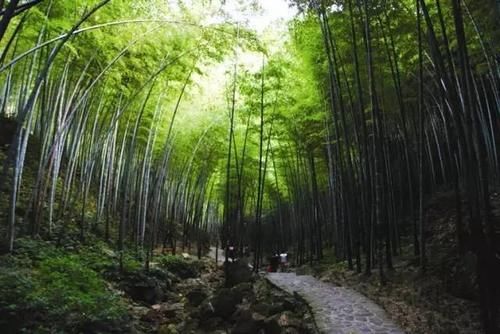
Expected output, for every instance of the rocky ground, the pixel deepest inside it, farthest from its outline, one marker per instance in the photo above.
(236, 303)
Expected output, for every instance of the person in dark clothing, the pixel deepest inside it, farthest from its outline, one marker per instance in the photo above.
(231, 253)
(274, 263)
(283, 261)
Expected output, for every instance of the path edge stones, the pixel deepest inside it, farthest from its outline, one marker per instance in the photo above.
(298, 297)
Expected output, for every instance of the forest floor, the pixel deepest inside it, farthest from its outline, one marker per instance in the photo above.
(79, 288)
(444, 299)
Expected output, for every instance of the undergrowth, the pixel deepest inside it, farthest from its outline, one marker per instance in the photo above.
(44, 288)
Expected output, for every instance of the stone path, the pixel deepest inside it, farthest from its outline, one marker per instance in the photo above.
(220, 255)
(337, 310)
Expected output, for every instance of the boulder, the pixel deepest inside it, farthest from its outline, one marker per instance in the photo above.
(285, 319)
(224, 302)
(106, 326)
(245, 289)
(138, 311)
(152, 316)
(211, 324)
(168, 329)
(272, 325)
(269, 309)
(263, 308)
(181, 267)
(147, 292)
(204, 311)
(290, 304)
(242, 312)
(172, 310)
(196, 296)
(140, 286)
(172, 297)
(249, 322)
(236, 273)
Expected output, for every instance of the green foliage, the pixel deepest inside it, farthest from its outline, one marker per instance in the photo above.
(180, 266)
(34, 250)
(101, 259)
(130, 262)
(62, 289)
(98, 257)
(65, 288)
(14, 290)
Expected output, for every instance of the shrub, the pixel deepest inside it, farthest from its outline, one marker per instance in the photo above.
(15, 286)
(34, 250)
(98, 257)
(65, 288)
(180, 266)
(130, 262)
(60, 292)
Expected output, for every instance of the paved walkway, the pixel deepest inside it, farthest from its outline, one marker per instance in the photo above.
(337, 310)
(220, 254)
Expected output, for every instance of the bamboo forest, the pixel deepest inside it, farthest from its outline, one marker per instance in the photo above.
(250, 166)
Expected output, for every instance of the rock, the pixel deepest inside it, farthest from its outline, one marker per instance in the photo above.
(181, 327)
(284, 319)
(236, 273)
(242, 312)
(152, 316)
(289, 304)
(192, 282)
(174, 279)
(172, 310)
(204, 311)
(107, 326)
(249, 322)
(147, 293)
(272, 325)
(224, 302)
(168, 329)
(263, 308)
(172, 297)
(211, 324)
(141, 287)
(269, 309)
(244, 289)
(182, 268)
(139, 311)
(196, 296)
